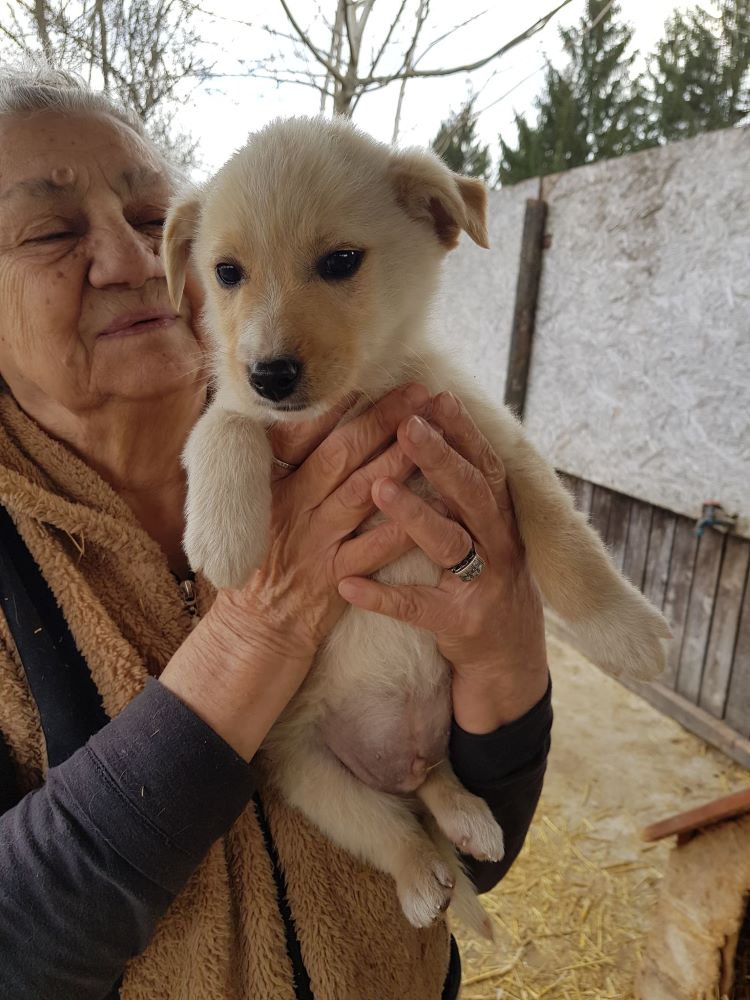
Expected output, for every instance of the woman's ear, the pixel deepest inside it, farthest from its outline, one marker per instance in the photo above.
(428, 191)
(179, 232)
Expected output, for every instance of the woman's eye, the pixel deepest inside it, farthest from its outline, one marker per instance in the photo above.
(229, 274)
(153, 224)
(52, 237)
(340, 264)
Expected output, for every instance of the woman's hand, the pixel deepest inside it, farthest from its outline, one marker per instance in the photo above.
(491, 629)
(248, 656)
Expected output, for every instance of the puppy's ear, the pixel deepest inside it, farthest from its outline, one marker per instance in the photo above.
(428, 191)
(179, 231)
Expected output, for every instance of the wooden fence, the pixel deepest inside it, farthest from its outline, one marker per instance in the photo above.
(702, 587)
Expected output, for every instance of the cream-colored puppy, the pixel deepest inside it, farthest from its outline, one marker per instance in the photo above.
(320, 251)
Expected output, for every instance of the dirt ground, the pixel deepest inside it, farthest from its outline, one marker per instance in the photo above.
(572, 914)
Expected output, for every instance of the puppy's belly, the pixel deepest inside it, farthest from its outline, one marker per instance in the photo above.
(391, 743)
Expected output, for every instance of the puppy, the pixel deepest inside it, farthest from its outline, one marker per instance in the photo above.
(320, 251)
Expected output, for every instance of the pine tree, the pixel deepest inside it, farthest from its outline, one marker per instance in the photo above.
(593, 109)
(601, 79)
(456, 142)
(700, 73)
(557, 141)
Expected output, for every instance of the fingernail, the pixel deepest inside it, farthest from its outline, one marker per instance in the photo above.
(417, 394)
(348, 588)
(387, 489)
(417, 430)
(449, 404)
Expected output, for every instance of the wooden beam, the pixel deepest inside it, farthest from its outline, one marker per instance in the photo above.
(527, 293)
(728, 807)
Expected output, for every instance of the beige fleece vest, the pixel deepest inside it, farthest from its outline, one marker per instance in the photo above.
(222, 939)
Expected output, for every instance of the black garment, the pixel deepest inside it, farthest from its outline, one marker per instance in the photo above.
(91, 860)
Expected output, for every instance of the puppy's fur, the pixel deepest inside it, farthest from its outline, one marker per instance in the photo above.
(378, 698)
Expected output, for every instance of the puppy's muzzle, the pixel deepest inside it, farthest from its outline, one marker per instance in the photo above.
(276, 378)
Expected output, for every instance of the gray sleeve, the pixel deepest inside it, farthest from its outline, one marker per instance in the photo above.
(91, 860)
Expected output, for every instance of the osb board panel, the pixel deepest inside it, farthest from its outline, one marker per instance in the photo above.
(473, 317)
(640, 377)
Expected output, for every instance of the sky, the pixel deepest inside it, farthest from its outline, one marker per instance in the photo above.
(221, 113)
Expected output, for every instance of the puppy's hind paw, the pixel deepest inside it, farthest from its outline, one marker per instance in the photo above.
(474, 830)
(425, 887)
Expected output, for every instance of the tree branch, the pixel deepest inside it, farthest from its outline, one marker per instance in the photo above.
(447, 34)
(422, 14)
(382, 81)
(392, 28)
(304, 38)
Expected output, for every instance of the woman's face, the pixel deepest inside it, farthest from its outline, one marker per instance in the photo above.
(84, 312)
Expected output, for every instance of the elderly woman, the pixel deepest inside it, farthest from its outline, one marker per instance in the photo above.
(141, 855)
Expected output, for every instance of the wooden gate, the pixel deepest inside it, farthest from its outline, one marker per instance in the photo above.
(701, 585)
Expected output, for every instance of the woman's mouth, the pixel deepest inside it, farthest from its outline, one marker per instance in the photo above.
(130, 324)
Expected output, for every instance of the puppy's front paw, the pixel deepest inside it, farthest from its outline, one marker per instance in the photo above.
(425, 886)
(228, 462)
(226, 556)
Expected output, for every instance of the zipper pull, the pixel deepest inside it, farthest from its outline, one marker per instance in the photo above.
(187, 589)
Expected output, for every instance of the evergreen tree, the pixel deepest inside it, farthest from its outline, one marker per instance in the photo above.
(457, 143)
(700, 73)
(557, 141)
(593, 109)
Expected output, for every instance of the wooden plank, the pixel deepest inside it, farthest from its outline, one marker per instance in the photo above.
(714, 731)
(617, 531)
(585, 497)
(636, 548)
(677, 597)
(737, 712)
(724, 625)
(569, 482)
(524, 313)
(727, 807)
(659, 554)
(601, 501)
(700, 610)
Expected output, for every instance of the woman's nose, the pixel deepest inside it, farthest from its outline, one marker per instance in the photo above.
(121, 255)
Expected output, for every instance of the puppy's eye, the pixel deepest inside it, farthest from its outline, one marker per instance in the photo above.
(340, 264)
(229, 274)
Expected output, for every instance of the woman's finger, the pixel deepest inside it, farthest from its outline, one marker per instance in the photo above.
(372, 550)
(460, 484)
(449, 413)
(443, 540)
(347, 447)
(292, 442)
(422, 607)
(348, 506)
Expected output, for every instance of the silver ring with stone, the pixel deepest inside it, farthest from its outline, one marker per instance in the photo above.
(281, 464)
(470, 566)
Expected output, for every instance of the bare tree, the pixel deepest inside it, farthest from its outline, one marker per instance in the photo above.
(342, 73)
(140, 51)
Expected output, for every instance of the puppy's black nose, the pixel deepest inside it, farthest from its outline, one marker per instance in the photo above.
(276, 378)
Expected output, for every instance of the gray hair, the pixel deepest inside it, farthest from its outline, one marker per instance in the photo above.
(36, 86)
